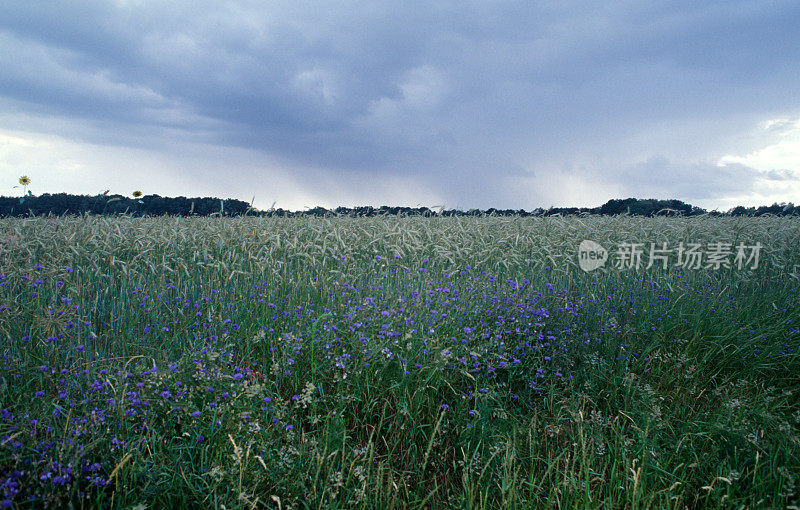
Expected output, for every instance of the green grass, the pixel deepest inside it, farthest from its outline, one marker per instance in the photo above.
(325, 377)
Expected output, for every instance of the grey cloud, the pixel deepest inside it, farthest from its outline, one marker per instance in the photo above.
(781, 175)
(661, 178)
(467, 96)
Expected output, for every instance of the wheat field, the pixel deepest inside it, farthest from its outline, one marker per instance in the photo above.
(395, 362)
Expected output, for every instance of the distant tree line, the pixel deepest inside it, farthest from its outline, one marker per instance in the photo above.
(150, 205)
(154, 205)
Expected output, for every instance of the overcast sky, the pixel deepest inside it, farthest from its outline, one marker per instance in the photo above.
(464, 104)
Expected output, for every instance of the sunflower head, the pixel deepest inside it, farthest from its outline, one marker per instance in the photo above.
(137, 194)
(24, 180)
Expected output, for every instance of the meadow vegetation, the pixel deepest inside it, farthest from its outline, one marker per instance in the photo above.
(394, 362)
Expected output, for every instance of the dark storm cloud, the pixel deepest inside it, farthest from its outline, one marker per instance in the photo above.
(464, 95)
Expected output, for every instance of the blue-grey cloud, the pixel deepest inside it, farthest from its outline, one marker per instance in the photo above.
(660, 178)
(469, 97)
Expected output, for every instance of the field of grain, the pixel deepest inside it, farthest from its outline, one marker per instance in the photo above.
(395, 362)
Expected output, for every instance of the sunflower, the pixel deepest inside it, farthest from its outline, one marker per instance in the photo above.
(24, 180)
(137, 194)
